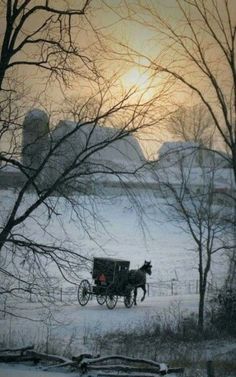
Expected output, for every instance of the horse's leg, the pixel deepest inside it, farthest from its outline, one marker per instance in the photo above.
(144, 291)
(135, 295)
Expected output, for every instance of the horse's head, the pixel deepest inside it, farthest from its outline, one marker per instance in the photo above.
(147, 267)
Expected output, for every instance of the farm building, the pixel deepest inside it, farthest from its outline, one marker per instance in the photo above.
(123, 155)
(190, 154)
(100, 148)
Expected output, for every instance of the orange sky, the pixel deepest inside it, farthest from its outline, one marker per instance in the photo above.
(106, 17)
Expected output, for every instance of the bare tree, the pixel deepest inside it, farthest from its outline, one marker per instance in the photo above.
(195, 207)
(41, 35)
(191, 124)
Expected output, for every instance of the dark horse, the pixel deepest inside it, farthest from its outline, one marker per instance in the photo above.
(137, 278)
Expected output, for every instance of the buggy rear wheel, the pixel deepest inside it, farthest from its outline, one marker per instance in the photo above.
(129, 299)
(101, 299)
(111, 298)
(111, 301)
(84, 292)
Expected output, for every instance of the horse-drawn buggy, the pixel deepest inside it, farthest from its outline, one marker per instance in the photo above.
(113, 279)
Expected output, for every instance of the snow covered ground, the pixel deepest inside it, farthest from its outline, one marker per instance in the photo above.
(25, 371)
(118, 229)
(80, 324)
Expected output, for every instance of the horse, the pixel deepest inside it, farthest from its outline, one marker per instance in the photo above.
(137, 278)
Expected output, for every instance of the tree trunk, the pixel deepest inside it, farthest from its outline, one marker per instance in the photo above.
(202, 288)
(3, 237)
(201, 308)
(234, 161)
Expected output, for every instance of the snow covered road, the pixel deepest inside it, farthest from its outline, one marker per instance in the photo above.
(81, 323)
(94, 316)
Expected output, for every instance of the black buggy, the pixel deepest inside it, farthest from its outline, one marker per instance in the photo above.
(110, 278)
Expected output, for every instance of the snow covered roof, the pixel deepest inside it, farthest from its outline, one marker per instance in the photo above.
(177, 146)
(121, 151)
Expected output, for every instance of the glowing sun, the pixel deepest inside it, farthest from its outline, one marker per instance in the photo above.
(138, 80)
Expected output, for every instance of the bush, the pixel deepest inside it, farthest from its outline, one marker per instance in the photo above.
(223, 311)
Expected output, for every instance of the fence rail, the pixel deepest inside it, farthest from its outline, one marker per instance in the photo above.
(176, 287)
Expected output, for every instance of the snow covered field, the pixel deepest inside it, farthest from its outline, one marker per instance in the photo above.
(116, 228)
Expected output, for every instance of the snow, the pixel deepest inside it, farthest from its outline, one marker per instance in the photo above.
(191, 154)
(196, 176)
(83, 322)
(25, 371)
(177, 146)
(125, 152)
(117, 231)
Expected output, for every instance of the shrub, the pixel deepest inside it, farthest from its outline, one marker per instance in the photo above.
(223, 311)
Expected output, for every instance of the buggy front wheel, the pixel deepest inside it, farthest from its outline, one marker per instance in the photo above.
(84, 292)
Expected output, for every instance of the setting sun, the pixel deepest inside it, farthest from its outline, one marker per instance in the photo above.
(139, 80)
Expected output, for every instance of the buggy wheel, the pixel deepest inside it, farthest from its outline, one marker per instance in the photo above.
(84, 292)
(101, 299)
(129, 299)
(111, 297)
(111, 300)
